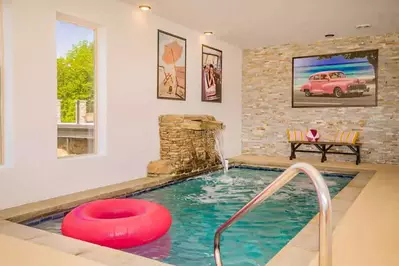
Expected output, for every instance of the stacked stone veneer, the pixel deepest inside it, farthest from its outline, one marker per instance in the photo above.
(267, 112)
(187, 145)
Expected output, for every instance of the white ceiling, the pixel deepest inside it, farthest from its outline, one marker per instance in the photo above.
(256, 23)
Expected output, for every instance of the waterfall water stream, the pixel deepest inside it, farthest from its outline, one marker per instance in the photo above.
(219, 149)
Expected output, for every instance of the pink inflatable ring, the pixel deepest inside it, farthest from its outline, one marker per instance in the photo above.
(117, 223)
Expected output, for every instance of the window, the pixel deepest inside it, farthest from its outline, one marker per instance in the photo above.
(324, 76)
(316, 77)
(76, 89)
(337, 75)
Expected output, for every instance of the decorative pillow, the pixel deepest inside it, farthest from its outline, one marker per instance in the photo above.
(347, 136)
(296, 135)
(312, 135)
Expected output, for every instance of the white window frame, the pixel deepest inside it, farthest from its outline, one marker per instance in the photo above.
(82, 23)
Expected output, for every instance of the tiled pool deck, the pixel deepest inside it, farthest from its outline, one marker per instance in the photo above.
(365, 232)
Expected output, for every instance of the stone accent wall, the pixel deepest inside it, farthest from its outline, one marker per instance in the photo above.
(267, 111)
(187, 144)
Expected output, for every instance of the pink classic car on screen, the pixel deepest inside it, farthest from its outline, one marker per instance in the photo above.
(333, 83)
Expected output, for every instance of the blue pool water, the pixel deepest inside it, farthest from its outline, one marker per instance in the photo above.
(199, 206)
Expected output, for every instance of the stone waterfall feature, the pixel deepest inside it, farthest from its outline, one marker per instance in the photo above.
(187, 145)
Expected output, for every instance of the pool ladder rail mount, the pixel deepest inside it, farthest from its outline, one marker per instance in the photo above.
(324, 198)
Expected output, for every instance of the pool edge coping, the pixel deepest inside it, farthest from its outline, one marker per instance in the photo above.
(34, 210)
(16, 215)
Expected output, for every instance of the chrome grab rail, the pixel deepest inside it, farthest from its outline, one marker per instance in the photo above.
(325, 236)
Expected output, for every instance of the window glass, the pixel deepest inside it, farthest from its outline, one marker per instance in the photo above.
(76, 90)
(324, 76)
(337, 75)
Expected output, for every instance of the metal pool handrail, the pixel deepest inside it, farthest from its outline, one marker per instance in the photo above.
(325, 236)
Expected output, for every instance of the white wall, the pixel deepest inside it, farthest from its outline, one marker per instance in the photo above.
(129, 115)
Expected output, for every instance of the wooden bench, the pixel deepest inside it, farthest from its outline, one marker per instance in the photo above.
(324, 147)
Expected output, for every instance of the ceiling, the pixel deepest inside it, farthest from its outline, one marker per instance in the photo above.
(256, 23)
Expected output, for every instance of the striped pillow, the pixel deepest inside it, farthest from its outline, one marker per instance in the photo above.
(296, 135)
(347, 137)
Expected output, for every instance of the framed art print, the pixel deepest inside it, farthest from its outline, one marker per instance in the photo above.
(171, 66)
(211, 74)
(335, 80)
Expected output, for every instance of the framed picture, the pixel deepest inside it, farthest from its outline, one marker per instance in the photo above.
(335, 80)
(211, 74)
(172, 52)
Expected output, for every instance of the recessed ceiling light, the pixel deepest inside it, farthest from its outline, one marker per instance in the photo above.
(363, 26)
(329, 35)
(145, 7)
(208, 33)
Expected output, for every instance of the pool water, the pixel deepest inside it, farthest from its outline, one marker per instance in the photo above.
(199, 206)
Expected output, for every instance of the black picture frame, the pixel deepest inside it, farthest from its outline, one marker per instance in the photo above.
(374, 52)
(219, 87)
(178, 98)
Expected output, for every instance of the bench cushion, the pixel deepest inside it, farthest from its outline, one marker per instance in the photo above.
(347, 137)
(296, 135)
